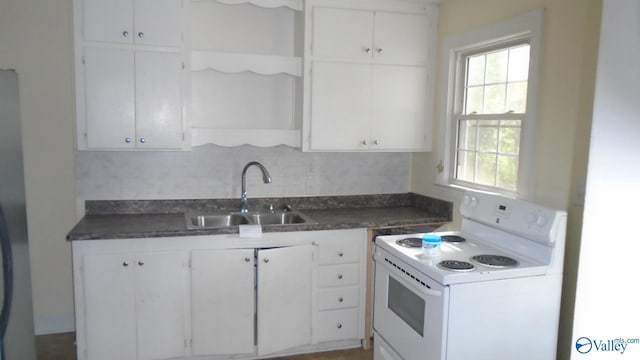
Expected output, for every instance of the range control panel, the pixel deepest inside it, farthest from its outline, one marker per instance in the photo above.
(516, 216)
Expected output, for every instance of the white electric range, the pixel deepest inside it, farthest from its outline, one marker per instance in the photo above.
(493, 292)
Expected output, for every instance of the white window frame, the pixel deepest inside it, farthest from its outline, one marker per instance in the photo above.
(526, 27)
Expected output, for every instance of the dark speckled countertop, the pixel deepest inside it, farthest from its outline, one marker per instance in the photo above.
(161, 218)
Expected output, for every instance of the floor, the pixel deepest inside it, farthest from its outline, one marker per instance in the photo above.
(61, 347)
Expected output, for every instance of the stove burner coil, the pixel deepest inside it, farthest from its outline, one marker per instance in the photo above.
(412, 242)
(455, 265)
(453, 238)
(497, 261)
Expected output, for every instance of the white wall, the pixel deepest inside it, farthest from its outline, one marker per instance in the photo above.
(35, 39)
(607, 296)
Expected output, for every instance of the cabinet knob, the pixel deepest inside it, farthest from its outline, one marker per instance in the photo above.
(140, 35)
(125, 33)
(140, 263)
(340, 254)
(340, 299)
(339, 276)
(364, 142)
(143, 140)
(367, 50)
(339, 326)
(266, 260)
(247, 259)
(376, 142)
(127, 140)
(379, 51)
(125, 263)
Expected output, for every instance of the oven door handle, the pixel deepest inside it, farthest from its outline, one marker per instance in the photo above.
(400, 277)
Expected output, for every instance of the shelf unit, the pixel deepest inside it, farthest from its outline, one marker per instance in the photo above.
(246, 72)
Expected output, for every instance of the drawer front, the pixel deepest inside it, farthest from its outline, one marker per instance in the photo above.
(338, 250)
(338, 275)
(338, 298)
(337, 325)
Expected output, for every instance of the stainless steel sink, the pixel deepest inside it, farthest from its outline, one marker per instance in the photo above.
(281, 218)
(216, 221)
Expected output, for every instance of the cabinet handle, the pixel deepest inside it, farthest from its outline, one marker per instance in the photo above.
(339, 276)
(340, 254)
(339, 326)
(140, 263)
(266, 260)
(125, 33)
(143, 140)
(340, 299)
(140, 35)
(127, 140)
(367, 50)
(125, 263)
(247, 259)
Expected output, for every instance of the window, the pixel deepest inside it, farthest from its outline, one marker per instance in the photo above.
(490, 107)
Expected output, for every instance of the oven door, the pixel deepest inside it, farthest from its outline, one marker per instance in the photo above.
(410, 309)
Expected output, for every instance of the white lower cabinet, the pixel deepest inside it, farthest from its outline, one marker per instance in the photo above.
(224, 300)
(219, 297)
(134, 305)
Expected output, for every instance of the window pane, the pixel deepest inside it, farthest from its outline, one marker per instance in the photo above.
(488, 135)
(475, 70)
(466, 166)
(497, 66)
(519, 63)
(507, 172)
(494, 99)
(467, 135)
(486, 169)
(475, 97)
(517, 97)
(510, 137)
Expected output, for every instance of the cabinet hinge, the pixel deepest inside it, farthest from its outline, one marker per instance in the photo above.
(83, 60)
(183, 65)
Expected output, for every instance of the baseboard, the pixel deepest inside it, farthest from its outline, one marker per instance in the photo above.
(53, 324)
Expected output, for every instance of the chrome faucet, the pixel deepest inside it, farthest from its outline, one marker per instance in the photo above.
(244, 205)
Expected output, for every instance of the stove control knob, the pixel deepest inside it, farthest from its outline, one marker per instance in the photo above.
(466, 200)
(474, 202)
(541, 221)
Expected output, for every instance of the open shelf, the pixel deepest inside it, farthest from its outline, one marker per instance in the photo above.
(239, 62)
(292, 4)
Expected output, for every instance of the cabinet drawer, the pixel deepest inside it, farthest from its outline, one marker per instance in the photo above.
(337, 325)
(338, 298)
(338, 250)
(338, 275)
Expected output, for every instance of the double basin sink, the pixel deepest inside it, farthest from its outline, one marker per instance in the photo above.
(216, 221)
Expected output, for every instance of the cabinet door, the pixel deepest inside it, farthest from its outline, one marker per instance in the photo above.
(108, 20)
(399, 107)
(158, 22)
(340, 106)
(109, 98)
(284, 298)
(342, 33)
(161, 288)
(401, 38)
(223, 301)
(158, 94)
(109, 307)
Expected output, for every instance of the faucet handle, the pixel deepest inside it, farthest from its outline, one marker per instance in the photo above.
(271, 208)
(287, 208)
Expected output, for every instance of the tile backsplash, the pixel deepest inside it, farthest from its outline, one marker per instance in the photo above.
(211, 171)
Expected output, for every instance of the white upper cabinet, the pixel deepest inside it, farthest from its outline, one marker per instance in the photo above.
(144, 22)
(130, 74)
(370, 76)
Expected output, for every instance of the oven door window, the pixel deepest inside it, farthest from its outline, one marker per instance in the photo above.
(407, 305)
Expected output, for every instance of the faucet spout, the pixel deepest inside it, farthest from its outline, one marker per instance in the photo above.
(266, 178)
